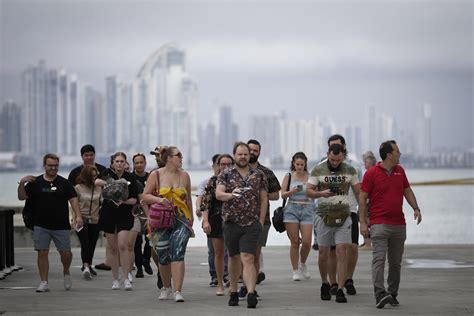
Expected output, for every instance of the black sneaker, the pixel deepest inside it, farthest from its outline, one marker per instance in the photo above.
(159, 282)
(260, 277)
(234, 299)
(242, 293)
(315, 247)
(325, 295)
(213, 282)
(340, 297)
(349, 285)
(333, 289)
(382, 300)
(139, 273)
(147, 267)
(102, 266)
(394, 301)
(258, 296)
(252, 300)
(93, 272)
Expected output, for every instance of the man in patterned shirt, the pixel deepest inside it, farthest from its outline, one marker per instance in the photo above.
(244, 193)
(273, 195)
(330, 181)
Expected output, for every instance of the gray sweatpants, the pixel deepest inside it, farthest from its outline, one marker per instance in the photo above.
(387, 240)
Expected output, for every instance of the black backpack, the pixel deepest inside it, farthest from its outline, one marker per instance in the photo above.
(277, 218)
(28, 214)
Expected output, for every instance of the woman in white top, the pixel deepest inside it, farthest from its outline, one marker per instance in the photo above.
(298, 215)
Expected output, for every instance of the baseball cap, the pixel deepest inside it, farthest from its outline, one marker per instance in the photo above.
(156, 151)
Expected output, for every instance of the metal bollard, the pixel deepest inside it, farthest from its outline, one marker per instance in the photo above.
(7, 244)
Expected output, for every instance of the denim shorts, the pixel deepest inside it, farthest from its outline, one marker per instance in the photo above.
(299, 213)
(42, 239)
(171, 243)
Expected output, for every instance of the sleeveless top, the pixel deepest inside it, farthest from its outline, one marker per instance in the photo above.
(178, 197)
(300, 196)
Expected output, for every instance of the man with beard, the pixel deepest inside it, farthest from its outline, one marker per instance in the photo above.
(50, 194)
(273, 195)
(244, 193)
(330, 182)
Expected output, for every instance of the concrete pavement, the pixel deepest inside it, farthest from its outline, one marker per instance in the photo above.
(436, 280)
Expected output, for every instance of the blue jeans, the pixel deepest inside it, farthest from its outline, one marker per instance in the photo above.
(210, 260)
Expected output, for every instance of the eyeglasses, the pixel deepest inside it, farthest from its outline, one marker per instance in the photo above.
(53, 166)
(226, 164)
(180, 155)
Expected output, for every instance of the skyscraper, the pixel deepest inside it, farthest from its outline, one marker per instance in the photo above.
(10, 131)
(165, 104)
(424, 129)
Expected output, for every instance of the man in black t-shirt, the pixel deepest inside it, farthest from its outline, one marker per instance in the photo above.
(88, 158)
(49, 194)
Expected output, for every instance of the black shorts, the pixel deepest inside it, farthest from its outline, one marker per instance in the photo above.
(215, 221)
(241, 239)
(355, 228)
(113, 220)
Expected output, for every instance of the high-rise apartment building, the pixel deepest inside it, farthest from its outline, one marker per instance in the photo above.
(10, 131)
(118, 114)
(165, 104)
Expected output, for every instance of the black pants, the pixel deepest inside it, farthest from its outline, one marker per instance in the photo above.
(139, 256)
(88, 238)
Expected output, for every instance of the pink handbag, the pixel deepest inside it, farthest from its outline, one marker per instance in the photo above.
(161, 215)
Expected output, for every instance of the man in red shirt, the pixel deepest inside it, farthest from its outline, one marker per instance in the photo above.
(385, 185)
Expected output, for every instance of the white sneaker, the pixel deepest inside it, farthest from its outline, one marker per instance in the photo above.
(178, 297)
(304, 271)
(43, 287)
(115, 285)
(296, 275)
(86, 274)
(164, 293)
(130, 277)
(127, 285)
(67, 282)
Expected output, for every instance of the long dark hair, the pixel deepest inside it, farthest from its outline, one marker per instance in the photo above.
(299, 155)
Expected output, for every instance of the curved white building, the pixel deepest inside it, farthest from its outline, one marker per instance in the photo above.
(165, 104)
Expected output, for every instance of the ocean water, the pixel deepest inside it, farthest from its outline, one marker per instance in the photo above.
(448, 211)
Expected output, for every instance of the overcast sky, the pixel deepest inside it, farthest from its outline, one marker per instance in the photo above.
(309, 58)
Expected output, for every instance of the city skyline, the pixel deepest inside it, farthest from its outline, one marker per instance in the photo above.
(296, 59)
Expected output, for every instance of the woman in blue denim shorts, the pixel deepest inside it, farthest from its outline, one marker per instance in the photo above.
(298, 215)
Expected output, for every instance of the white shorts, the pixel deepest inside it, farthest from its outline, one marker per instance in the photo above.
(330, 236)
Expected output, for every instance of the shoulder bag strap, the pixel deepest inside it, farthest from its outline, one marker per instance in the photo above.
(92, 196)
(287, 189)
(157, 191)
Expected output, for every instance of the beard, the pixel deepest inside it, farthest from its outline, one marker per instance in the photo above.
(253, 159)
(242, 164)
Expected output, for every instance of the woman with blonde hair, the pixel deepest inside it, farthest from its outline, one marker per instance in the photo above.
(116, 218)
(170, 184)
